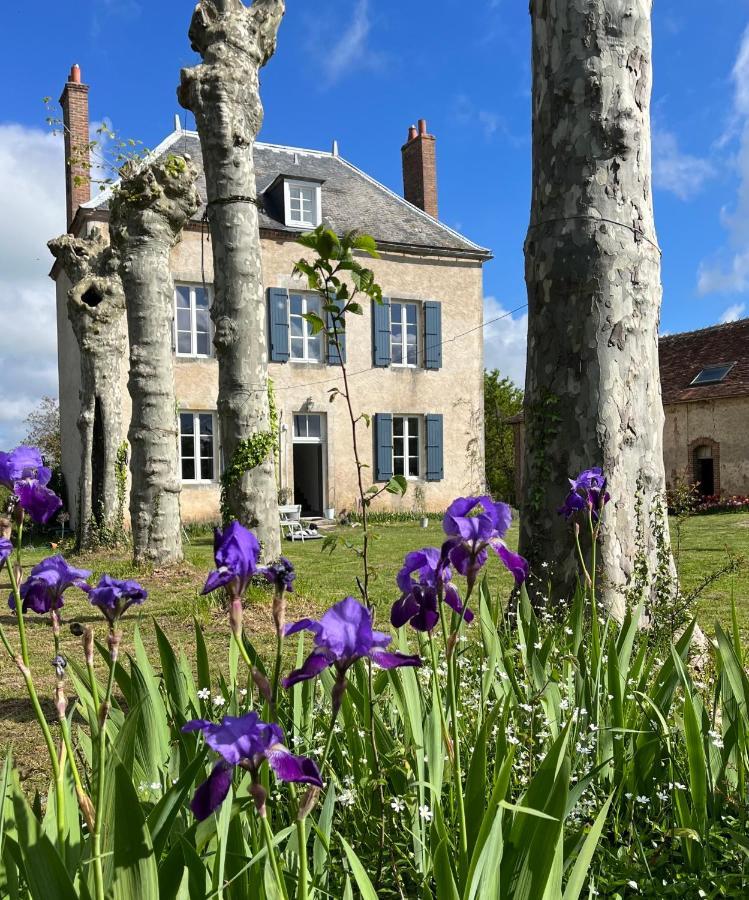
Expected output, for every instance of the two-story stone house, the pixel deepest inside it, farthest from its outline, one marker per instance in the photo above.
(416, 361)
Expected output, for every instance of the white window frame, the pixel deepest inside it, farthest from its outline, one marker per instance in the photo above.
(306, 438)
(193, 321)
(306, 328)
(196, 446)
(405, 438)
(316, 214)
(404, 324)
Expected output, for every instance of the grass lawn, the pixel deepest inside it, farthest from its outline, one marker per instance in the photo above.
(322, 579)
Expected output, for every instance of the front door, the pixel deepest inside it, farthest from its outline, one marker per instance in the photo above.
(309, 462)
(706, 477)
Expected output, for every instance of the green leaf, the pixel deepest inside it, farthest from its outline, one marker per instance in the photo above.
(135, 872)
(164, 814)
(367, 244)
(397, 485)
(366, 888)
(475, 787)
(579, 873)
(315, 322)
(44, 870)
(443, 873)
(201, 658)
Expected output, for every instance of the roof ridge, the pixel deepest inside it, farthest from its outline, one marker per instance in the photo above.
(716, 327)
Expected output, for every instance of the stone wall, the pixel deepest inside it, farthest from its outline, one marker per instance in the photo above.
(455, 390)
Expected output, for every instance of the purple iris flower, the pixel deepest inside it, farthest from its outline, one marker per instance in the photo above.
(281, 574)
(236, 551)
(246, 741)
(37, 500)
(587, 492)
(419, 600)
(6, 548)
(47, 582)
(470, 536)
(115, 597)
(23, 463)
(343, 635)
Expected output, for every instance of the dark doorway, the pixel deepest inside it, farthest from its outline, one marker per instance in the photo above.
(705, 472)
(98, 465)
(308, 478)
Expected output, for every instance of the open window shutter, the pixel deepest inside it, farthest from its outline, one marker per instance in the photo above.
(381, 332)
(333, 358)
(278, 317)
(383, 434)
(435, 453)
(432, 335)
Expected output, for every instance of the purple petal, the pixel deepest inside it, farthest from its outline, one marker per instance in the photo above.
(403, 610)
(6, 548)
(39, 502)
(196, 725)
(425, 619)
(393, 660)
(452, 598)
(212, 793)
(302, 625)
(293, 768)
(313, 665)
(216, 579)
(516, 564)
(458, 509)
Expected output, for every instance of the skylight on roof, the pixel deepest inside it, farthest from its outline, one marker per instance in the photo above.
(713, 374)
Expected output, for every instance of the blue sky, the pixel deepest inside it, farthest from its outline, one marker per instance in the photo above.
(361, 71)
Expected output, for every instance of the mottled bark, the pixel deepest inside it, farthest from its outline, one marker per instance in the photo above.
(96, 304)
(147, 214)
(235, 41)
(593, 277)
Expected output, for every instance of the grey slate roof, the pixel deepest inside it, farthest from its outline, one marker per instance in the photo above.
(351, 200)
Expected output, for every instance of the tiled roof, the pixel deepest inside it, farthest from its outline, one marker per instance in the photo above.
(684, 356)
(351, 200)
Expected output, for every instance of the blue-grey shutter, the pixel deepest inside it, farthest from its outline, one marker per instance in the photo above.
(278, 319)
(432, 335)
(381, 332)
(333, 357)
(435, 453)
(383, 435)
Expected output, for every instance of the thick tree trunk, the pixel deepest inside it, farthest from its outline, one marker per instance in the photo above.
(147, 215)
(96, 304)
(593, 277)
(223, 93)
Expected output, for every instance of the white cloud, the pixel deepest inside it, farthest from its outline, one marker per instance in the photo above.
(733, 313)
(505, 341)
(351, 50)
(728, 270)
(32, 185)
(673, 170)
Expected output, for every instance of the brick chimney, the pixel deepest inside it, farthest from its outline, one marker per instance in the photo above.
(74, 102)
(420, 168)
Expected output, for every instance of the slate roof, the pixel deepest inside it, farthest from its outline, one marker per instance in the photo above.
(684, 356)
(350, 198)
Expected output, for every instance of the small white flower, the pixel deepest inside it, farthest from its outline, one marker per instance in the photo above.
(397, 804)
(425, 813)
(642, 799)
(204, 693)
(633, 885)
(218, 700)
(347, 797)
(538, 645)
(628, 795)
(155, 785)
(243, 692)
(568, 630)
(718, 742)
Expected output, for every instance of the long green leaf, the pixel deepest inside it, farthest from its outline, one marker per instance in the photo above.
(579, 873)
(366, 888)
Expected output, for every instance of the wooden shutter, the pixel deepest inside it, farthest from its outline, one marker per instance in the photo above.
(333, 358)
(432, 335)
(381, 332)
(278, 318)
(435, 454)
(383, 435)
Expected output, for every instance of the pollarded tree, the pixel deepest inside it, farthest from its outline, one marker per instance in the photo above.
(223, 93)
(96, 306)
(148, 211)
(593, 277)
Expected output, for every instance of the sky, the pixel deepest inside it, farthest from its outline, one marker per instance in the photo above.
(360, 72)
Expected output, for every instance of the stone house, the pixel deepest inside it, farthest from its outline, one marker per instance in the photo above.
(416, 361)
(705, 387)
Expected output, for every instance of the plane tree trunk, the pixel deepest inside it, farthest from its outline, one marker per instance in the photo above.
(96, 306)
(147, 214)
(592, 268)
(223, 93)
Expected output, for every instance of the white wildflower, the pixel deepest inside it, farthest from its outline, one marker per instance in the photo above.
(425, 813)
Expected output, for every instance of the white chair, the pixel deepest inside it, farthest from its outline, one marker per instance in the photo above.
(291, 525)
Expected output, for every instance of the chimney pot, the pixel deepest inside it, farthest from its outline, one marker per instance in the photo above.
(420, 168)
(75, 74)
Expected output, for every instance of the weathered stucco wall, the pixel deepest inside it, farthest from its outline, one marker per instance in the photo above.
(455, 390)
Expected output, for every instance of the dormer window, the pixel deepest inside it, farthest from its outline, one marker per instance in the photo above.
(302, 203)
(713, 374)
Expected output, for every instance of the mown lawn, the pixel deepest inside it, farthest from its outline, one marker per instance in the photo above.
(323, 578)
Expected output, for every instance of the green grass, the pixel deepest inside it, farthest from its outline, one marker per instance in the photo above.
(322, 579)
